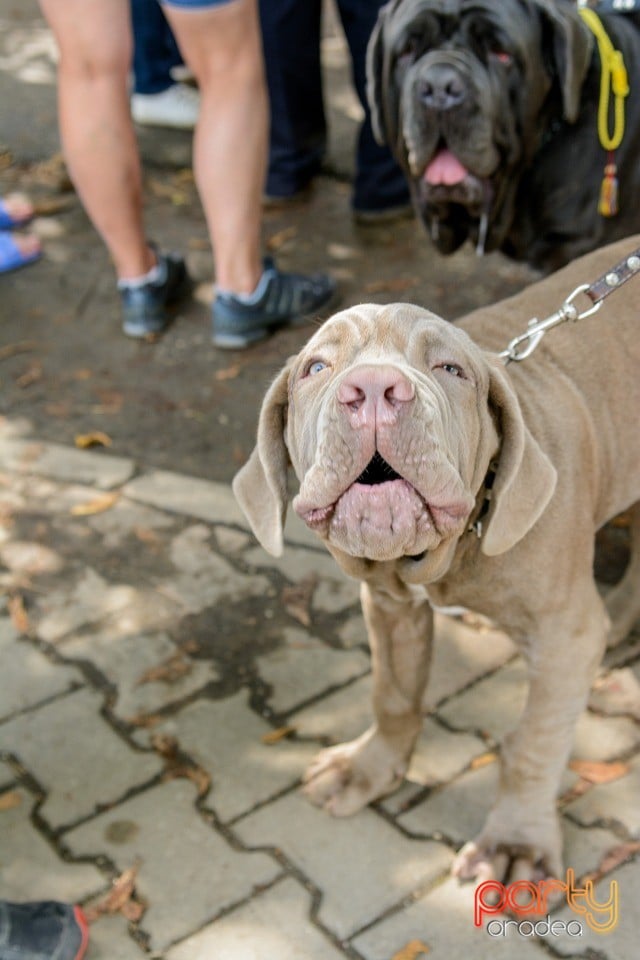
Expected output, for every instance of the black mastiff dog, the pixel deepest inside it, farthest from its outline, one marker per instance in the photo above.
(491, 108)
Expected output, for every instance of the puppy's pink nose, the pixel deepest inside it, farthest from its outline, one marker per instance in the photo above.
(375, 394)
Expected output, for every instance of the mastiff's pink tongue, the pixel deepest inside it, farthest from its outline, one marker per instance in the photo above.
(445, 168)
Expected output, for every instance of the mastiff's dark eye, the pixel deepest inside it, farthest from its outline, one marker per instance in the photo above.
(408, 52)
(502, 57)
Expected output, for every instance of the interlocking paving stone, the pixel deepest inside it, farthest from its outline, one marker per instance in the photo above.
(603, 738)
(333, 596)
(302, 667)
(204, 578)
(583, 850)
(273, 926)
(493, 705)
(188, 872)
(457, 810)
(342, 715)
(622, 942)
(126, 518)
(443, 921)
(87, 600)
(617, 800)
(125, 659)
(30, 869)
(225, 737)
(232, 541)
(361, 864)
(28, 677)
(187, 495)
(461, 654)
(25, 557)
(296, 564)
(75, 756)
(65, 463)
(109, 940)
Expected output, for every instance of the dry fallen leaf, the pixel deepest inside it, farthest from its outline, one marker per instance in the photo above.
(169, 671)
(18, 613)
(196, 774)
(230, 373)
(483, 760)
(167, 746)
(412, 951)
(274, 736)
(595, 772)
(31, 375)
(297, 599)
(94, 439)
(614, 858)
(144, 720)
(10, 800)
(395, 285)
(120, 898)
(98, 505)
(277, 240)
(22, 346)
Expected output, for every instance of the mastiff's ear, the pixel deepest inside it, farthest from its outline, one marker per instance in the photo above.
(381, 92)
(525, 478)
(571, 46)
(260, 487)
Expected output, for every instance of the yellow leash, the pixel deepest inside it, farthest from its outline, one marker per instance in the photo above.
(613, 79)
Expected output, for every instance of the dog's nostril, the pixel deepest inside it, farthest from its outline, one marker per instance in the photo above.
(442, 89)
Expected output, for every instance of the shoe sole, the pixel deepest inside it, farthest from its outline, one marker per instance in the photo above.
(83, 926)
(137, 333)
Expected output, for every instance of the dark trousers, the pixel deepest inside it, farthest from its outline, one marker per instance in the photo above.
(291, 34)
(155, 50)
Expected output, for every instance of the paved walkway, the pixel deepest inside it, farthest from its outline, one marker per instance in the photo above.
(139, 739)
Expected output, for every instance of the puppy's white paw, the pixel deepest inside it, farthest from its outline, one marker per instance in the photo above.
(345, 778)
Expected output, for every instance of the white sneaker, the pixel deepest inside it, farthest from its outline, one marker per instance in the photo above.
(177, 106)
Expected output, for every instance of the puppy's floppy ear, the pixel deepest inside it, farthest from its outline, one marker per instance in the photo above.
(571, 46)
(381, 92)
(525, 478)
(260, 487)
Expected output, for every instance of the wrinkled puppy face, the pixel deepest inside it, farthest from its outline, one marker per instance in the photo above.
(463, 91)
(386, 432)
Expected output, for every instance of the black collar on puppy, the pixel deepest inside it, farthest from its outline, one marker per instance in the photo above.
(485, 502)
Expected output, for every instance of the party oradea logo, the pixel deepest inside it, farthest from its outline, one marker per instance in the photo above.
(527, 905)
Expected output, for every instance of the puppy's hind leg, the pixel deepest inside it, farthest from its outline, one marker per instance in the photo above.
(623, 601)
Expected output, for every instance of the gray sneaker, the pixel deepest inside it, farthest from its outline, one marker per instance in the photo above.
(286, 299)
(144, 308)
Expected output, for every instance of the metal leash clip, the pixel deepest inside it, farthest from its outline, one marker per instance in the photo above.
(536, 329)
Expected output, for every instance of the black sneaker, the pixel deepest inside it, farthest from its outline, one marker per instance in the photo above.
(287, 299)
(144, 308)
(42, 930)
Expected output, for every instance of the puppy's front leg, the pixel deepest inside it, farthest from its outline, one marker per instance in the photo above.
(345, 778)
(521, 839)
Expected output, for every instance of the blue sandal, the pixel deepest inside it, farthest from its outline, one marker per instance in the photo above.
(8, 221)
(11, 256)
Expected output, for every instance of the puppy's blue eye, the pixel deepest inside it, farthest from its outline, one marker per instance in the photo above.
(317, 367)
(453, 369)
